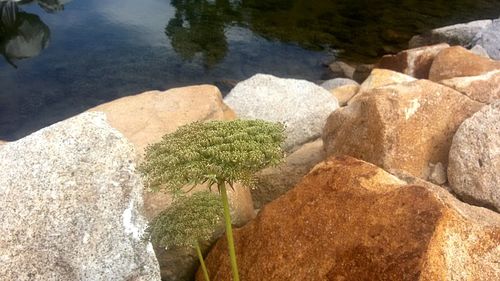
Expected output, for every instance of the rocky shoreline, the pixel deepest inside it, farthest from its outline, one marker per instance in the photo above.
(392, 173)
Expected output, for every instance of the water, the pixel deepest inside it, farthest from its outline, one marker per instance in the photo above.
(62, 57)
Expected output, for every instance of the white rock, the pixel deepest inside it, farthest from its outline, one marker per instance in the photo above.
(474, 163)
(301, 105)
(70, 200)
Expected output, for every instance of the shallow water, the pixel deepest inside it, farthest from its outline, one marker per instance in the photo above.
(62, 57)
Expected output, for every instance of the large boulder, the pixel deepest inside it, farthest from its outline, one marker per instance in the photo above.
(273, 182)
(483, 88)
(458, 34)
(474, 166)
(402, 127)
(143, 119)
(349, 220)
(489, 39)
(414, 62)
(70, 198)
(301, 105)
(457, 62)
(146, 117)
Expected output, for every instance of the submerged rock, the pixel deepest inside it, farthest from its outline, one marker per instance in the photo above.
(474, 167)
(301, 105)
(349, 220)
(70, 198)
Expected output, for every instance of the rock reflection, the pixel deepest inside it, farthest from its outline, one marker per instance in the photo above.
(24, 35)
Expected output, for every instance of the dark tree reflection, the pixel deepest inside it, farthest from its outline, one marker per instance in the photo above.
(363, 29)
(198, 28)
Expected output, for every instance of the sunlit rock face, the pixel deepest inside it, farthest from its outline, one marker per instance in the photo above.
(70, 198)
(350, 220)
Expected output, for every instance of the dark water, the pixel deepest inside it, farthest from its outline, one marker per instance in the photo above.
(62, 57)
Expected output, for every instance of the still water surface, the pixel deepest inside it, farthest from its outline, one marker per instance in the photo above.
(61, 57)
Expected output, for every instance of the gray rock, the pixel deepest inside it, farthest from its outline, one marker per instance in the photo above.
(70, 200)
(301, 105)
(337, 82)
(480, 51)
(474, 163)
(489, 39)
(458, 34)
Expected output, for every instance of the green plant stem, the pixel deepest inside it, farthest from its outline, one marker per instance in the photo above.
(200, 257)
(229, 230)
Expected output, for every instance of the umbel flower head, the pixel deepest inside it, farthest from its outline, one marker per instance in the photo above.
(188, 220)
(213, 152)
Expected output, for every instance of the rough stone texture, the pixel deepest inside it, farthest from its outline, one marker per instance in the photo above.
(489, 39)
(383, 77)
(379, 78)
(332, 84)
(483, 88)
(70, 200)
(146, 117)
(349, 220)
(474, 167)
(302, 106)
(459, 34)
(414, 62)
(437, 173)
(457, 62)
(480, 51)
(362, 72)
(344, 94)
(275, 181)
(342, 69)
(401, 127)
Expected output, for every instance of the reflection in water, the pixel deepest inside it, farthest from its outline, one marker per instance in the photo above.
(24, 35)
(198, 28)
(364, 29)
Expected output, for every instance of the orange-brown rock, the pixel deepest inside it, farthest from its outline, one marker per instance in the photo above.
(146, 117)
(272, 182)
(414, 62)
(483, 88)
(383, 77)
(349, 220)
(457, 62)
(401, 127)
(344, 93)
